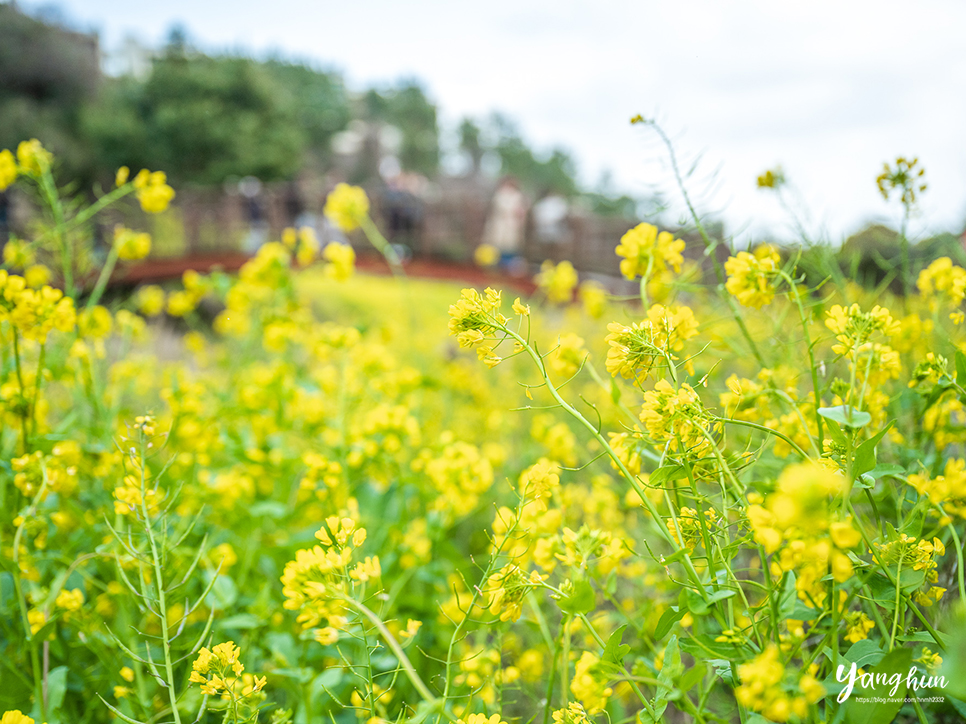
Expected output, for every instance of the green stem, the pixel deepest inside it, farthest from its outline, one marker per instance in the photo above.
(895, 619)
(103, 278)
(709, 244)
(538, 361)
(565, 661)
(382, 246)
(811, 356)
(23, 393)
(162, 607)
(404, 661)
(39, 688)
(37, 380)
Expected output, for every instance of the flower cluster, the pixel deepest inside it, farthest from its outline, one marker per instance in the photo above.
(854, 328)
(131, 245)
(641, 348)
(942, 283)
(797, 521)
(676, 418)
(646, 253)
(506, 590)
(751, 277)
(34, 312)
(347, 206)
(220, 673)
(764, 687)
(152, 191)
(317, 582)
(557, 281)
(946, 491)
(906, 177)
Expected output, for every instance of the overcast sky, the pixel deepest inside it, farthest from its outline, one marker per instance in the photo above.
(829, 90)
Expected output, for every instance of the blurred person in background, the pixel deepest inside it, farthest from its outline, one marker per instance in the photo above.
(251, 189)
(505, 225)
(403, 206)
(550, 219)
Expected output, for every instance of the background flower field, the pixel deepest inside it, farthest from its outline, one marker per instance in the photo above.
(299, 494)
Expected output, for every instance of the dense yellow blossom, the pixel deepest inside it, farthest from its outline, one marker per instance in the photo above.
(677, 417)
(751, 277)
(942, 283)
(557, 281)
(763, 688)
(8, 169)
(131, 245)
(644, 347)
(645, 252)
(347, 206)
(341, 258)
(486, 255)
(152, 191)
(588, 685)
(15, 717)
(33, 158)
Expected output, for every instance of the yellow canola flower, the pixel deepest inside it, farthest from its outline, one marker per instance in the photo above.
(486, 255)
(677, 417)
(15, 716)
(70, 600)
(33, 158)
(120, 178)
(906, 176)
(347, 206)
(751, 276)
(342, 260)
(308, 247)
(594, 298)
(152, 191)
(473, 314)
(853, 328)
(36, 276)
(573, 714)
(587, 687)
(18, 254)
(771, 179)
(36, 312)
(942, 281)
(150, 300)
(762, 688)
(131, 245)
(481, 719)
(507, 588)
(557, 281)
(8, 169)
(646, 252)
(645, 346)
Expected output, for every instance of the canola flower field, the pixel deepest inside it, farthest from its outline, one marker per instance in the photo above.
(350, 499)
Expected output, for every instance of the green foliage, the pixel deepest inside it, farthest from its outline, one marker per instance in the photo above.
(555, 172)
(205, 118)
(47, 74)
(407, 108)
(321, 102)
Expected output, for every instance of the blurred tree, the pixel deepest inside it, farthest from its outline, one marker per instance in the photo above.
(555, 173)
(471, 143)
(202, 119)
(872, 255)
(47, 73)
(322, 104)
(407, 108)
